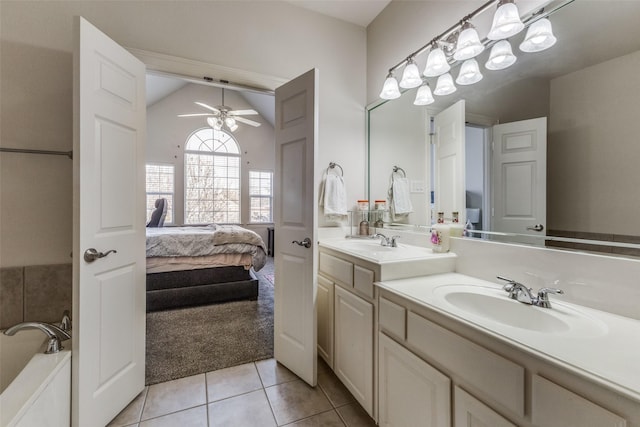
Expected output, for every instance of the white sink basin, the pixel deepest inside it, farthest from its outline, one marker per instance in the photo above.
(493, 305)
(372, 249)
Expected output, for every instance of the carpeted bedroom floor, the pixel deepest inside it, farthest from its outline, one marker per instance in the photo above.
(194, 340)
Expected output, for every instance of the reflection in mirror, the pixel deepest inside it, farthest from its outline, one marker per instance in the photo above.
(585, 87)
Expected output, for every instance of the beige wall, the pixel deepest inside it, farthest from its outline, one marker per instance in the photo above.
(267, 37)
(593, 154)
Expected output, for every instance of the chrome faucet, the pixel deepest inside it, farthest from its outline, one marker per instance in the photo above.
(54, 333)
(387, 241)
(521, 293)
(65, 323)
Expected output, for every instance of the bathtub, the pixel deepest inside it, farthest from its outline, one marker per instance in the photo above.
(35, 388)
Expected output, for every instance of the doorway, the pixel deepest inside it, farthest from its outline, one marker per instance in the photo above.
(189, 340)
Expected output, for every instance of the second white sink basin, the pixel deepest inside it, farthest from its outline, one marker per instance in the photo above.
(494, 305)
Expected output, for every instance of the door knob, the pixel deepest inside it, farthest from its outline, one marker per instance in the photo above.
(92, 254)
(306, 242)
(537, 227)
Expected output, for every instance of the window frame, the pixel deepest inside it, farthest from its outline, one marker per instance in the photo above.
(260, 196)
(213, 154)
(171, 202)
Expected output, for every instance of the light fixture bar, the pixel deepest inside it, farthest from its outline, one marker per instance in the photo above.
(528, 20)
(446, 33)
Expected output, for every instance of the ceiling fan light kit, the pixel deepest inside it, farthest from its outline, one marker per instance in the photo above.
(224, 116)
(459, 44)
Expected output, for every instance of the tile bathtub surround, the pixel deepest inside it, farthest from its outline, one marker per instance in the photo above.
(47, 292)
(11, 296)
(260, 394)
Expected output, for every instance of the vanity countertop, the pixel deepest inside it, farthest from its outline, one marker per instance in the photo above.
(391, 262)
(597, 345)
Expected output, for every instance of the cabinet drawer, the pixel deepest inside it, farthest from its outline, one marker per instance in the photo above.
(555, 406)
(484, 370)
(337, 268)
(470, 412)
(363, 280)
(392, 318)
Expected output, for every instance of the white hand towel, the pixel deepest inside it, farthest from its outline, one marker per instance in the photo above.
(401, 197)
(333, 195)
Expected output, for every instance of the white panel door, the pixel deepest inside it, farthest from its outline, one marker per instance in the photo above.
(108, 216)
(449, 186)
(520, 177)
(412, 392)
(295, 218)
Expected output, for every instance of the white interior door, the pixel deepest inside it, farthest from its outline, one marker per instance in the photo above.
(520, 177)
(449, 186)
(108, 215)
(295, 210)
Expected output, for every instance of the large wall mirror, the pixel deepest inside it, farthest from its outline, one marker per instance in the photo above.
(586, 88)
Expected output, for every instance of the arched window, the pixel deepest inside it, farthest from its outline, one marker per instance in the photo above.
(212, 178)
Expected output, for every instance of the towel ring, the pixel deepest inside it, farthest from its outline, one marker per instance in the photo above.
(396, 169)
(332, 165)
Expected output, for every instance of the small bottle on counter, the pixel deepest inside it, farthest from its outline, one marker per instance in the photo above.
(440, 234)
(363, 229)
(363, 205)
(440, 218)
(457, 229)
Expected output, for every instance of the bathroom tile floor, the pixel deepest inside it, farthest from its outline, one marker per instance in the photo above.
(262, 393)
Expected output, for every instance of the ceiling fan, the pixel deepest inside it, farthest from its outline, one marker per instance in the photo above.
(223, 115)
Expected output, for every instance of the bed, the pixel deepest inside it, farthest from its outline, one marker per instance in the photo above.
(189, 266)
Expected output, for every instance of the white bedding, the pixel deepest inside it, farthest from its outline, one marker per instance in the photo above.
(205, 241)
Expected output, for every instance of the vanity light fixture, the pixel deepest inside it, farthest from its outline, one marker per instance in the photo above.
(437, 63)
(469, 44)
(506, 21)
(424, 95)
(411, 75)
(501, 56)
(469, 73)
(461, 42)
(445, 85)
(539, 37)
(390, 88)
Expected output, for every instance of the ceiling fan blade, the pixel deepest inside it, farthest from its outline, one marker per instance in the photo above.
(208, 107)
(247, 121)
(242, 112)
(196, 114)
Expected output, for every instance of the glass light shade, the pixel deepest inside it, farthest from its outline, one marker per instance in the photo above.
(215, 123)
(445, 85)
(468, 44)
(390, 89)
(233, 127)
(539, 37)
(469, 73)
(506, 22)
(437, 63)
(501, 56)
(229, 121)
(424, 96)
(410, 76)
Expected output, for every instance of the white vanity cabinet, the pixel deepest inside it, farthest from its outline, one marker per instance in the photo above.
(353, 363)
(431, 367)
(346, 329)
(324, 300)
(410, 391)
